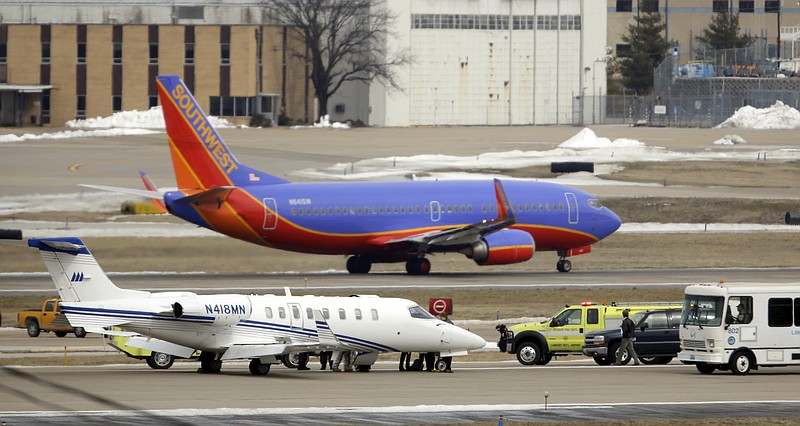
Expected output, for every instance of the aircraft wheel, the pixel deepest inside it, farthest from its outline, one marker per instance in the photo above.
(160, 360)
(564, 265)
(80, 332)
(418, 266)
(358, 265)
(61, 333)
(291, 360)
(257, 368)
(209, 364)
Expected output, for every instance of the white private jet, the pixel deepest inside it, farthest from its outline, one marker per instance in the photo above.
(223, 327)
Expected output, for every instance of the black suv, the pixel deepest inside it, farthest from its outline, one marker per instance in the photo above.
(657, 339)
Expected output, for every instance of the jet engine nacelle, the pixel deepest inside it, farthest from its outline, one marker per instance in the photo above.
(502, 248)
(227, 309)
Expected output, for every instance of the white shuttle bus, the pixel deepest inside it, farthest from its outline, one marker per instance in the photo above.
(740, 327)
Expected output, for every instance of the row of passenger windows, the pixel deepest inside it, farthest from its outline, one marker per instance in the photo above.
(342, 314)
(326, 313)
(449, 208)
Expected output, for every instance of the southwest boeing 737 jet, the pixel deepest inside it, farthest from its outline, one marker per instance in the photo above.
(489, 221)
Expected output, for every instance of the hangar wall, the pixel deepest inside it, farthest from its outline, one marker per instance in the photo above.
(494, 62)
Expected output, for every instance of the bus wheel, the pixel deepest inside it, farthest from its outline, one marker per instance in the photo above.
(705, 368)
(741, 362)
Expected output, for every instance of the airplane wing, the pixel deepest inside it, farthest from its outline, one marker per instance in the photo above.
(131, 191)
(157, 345)
(461, 236)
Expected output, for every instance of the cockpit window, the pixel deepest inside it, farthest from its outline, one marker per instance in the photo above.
(595, 203)
(417, 312)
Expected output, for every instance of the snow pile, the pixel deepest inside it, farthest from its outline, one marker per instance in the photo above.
(730, 140)
(150, 119)
(778, 116)
(587, 139)
(325, 123)
(99, 133)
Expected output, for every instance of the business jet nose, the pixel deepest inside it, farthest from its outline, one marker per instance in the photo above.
(463, 339)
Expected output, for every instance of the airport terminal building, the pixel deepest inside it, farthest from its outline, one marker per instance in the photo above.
(473, 62)
(61, 60)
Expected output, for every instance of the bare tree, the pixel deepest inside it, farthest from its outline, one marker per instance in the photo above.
(345, 40)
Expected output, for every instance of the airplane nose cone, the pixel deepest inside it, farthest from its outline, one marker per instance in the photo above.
(607, 222)
(463, 339)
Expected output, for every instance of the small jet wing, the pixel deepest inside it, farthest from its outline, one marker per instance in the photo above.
(465, 235)
(253, 351)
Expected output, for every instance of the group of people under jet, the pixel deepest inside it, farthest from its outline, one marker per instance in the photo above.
(333, 359)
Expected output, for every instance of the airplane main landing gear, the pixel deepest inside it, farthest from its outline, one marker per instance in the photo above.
(358, 264)
(418, 266)
(257, 368)
(563, 265)
(209, 363)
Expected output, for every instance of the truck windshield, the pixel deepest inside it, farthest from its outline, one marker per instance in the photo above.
(704, 311)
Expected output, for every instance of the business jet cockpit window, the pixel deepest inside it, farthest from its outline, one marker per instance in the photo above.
(417, 312)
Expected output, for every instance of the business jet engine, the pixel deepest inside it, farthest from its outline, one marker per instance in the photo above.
(226, 309)
(502, 248)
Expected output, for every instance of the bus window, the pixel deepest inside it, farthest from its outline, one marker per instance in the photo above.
(702, 310)
(740, 310)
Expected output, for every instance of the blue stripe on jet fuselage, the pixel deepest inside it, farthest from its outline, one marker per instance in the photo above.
(355, 195)
(283, 328)
(131, 314)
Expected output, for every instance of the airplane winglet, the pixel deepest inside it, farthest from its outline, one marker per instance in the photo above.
(504, 210)
(148, 183)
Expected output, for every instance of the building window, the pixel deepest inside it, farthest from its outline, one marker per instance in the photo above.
(571, 22)
(624, 5)
(772, 6)
(3, 53)
(649, 5)
(45, 53)
(153, 53)
(188, 54)
(81, 53)
(547, 22)
(116, 103)
(747, 6)
(152, 100)
(235, 106)
(81, 107)
(45, 107)
(338, 109)
(225, 54)
(719, 6)
(190, 12)
(117, 53)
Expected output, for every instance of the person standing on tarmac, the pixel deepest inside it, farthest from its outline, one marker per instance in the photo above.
(628, 331)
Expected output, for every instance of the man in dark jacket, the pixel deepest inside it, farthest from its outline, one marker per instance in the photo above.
(628, 331)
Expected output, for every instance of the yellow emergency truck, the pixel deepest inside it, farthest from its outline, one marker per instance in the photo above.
(563, 334)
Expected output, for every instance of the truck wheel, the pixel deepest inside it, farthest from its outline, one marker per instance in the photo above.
(602, 360)
(664, 359)
(545, 359)
(705, 368)
(33, 328)
(649, 359)
(60, 333)
(612, 355)
(528, 353)
(160, 360)
(741, 362)
(80, 332)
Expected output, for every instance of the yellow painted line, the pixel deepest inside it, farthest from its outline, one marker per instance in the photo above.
(76, 166)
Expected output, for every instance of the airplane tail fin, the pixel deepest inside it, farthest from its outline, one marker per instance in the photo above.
(199, 156)
(76, 274)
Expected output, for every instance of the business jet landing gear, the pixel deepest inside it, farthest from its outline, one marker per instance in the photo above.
(257, 368)
(209, 363)
(418, 266)
(563, 265)
(358, 264)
